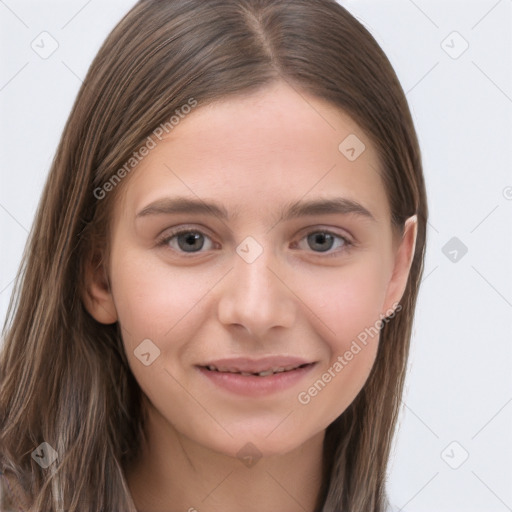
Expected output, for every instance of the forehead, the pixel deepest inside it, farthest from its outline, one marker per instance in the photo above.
(256, 152)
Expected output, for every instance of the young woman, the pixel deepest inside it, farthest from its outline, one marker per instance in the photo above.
(215, 305)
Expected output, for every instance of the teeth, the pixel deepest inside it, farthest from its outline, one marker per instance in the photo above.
(265, 373)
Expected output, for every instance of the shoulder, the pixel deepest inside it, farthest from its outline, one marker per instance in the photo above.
(12, 495)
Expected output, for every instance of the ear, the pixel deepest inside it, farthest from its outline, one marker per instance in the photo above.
(403, 259)
(97, 296)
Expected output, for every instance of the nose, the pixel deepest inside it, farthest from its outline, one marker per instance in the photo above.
(257, 295)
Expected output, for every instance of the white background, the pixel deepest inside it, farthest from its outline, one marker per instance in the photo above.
(459, 383)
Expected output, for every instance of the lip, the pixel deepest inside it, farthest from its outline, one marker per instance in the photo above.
(254, 385)
(244, 364)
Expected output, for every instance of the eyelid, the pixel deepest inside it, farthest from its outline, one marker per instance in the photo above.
(349, 242)
(327, 229)
(164, 238)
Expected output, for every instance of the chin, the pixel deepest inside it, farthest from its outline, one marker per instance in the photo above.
(256, 444)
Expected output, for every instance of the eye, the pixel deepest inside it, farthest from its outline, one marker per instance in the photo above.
(192, 241)
(186, 240)
(322, 241)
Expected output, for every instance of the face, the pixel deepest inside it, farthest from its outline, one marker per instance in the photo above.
(263, 287)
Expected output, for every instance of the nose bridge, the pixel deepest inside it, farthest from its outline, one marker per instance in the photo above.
(256, 296)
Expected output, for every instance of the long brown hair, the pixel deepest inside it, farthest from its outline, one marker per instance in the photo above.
(65, 379)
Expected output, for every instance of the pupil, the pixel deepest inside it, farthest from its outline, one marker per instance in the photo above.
(190, 239)
(320, 238)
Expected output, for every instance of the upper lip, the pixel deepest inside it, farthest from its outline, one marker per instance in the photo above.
(244, 364)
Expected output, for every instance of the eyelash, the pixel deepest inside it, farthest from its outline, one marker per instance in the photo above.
(165, 239)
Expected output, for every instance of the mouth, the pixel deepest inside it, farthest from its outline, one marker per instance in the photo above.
(256, 378)
(263, 373)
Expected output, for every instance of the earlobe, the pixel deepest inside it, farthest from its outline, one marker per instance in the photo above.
(97, 296)
(402, 265)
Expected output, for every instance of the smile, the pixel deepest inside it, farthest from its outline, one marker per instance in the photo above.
(255, 379)
(264, 373)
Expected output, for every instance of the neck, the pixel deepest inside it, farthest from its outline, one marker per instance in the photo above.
(174, 473)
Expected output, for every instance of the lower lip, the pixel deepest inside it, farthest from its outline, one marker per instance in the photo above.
(252, 385)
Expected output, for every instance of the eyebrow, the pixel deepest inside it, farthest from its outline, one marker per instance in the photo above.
(336, 205)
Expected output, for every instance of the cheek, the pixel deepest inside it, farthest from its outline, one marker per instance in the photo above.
(348, 300)
(348, 307)
(151, 298)
(162, 304)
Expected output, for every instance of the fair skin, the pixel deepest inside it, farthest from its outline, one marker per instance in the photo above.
(254, 155)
